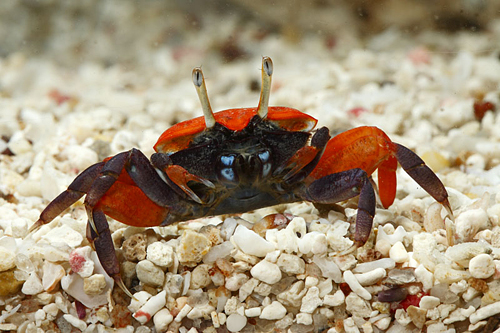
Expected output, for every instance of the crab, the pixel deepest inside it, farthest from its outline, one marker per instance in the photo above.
(238, 160)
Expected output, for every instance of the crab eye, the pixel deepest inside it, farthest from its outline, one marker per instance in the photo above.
(265, 158)
(225, 168)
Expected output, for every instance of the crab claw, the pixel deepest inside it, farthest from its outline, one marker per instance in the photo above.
(267, 73)
(181, 177)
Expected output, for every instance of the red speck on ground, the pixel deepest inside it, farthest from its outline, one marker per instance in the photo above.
(58, 97)
(412, 300)
(480, 108)
(141, 313)
(419, 55)
(356, 112)
(76, 261)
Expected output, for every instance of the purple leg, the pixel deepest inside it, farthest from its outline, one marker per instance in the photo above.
(342, 186)
(423, 175)
(72, 194)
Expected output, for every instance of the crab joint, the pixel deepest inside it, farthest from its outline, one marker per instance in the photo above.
(267, 73)
(201, 89)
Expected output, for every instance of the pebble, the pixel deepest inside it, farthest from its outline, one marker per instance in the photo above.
(353, 283)
(424, 276)
(94, 285)
(200, 278)
(80, 262)
(192, 247)
(150, 274)
(266, 271)
(417, 315)
(398, 253)
(371, 277)
(160, 254)
(251, 243)
(470, 222)
(313, 242)
(429, 302)
(247, 288)
(445, 274)
(273, 311)
(432, 219)
(253, 312)
(151, 307)
(482, 266)
(7, 259)
(63, 235)
(52, 274)
(334, 300)
(134, 247)
(357, 306)
(162, 319)
(235, 322)
(183, 313)
(485, 312)
(328, 268)
(235, 281)
(311, 300)
(385, 263)
(8, 283)
(75, 322)
(32, 285)
(304, 318)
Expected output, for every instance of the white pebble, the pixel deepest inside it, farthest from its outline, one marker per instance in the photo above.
(398, 253)
(444, 273)
(424, 276)
(291, 264)
(328, 268)
(266, 271)
(470, 222)
(311, 300)
(183, 313)
(253, 312)
(63, 235)
(334, 300)
(432, 219)
(150, 274)
(152, 306)
(429, 302)
(355, 286)
(251, 243)
(160, 254)
(7, 259)
(304, 318)
(80, 261)
(371, 277)
(313, 242)
(482, 266)
(75, 322)
(397, 236)
(162, 319)
(273, 311)
(235, 322)
(485, 312)
(235, 281)
(140, 298)
(385, 263)
(32, 285)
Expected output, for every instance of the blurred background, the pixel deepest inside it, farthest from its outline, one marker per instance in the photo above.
(127, 31)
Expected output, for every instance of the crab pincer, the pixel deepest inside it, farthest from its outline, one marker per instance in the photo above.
(237, 160)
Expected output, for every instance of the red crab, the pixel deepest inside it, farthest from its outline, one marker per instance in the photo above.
(237, 160)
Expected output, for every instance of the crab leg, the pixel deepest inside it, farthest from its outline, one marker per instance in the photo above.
(344, 185)
(423, 175)
(72, 194)
(103, 244)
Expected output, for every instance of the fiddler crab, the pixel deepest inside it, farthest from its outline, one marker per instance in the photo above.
(238, 160)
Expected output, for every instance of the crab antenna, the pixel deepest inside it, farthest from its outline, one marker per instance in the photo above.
(265, 90)
(201, 89)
